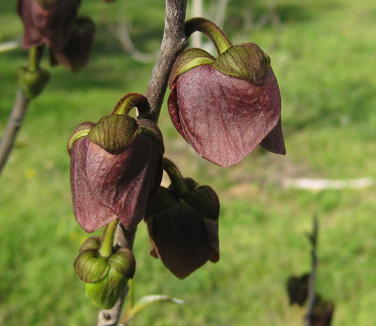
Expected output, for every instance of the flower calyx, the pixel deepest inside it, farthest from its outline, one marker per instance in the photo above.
(245, 61)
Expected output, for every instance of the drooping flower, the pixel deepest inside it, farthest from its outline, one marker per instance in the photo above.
(116, 166)
(183, 225)
(225, 107)
(76, 52)
(48, 22)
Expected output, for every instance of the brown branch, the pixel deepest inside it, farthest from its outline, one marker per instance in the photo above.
(173, 42)
(313, 238)
(14, 124)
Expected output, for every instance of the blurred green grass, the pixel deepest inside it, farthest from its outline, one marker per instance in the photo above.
(323, 54)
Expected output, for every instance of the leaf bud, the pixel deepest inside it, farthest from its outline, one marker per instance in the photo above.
(32, 82)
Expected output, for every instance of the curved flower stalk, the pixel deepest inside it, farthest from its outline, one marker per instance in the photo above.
(225, 107)
(116, 166)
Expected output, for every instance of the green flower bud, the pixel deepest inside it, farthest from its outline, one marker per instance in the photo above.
(32, 82)
(105, 278)
(105, 292)
(91, 267)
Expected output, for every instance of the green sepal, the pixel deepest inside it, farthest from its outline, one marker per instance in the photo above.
(106, 292)
(188, 60)
(92, 243)
(246, 61)
(90, 267)
(114, 132)
(82, 130)
(150, 128)
(123, 262)
(32, 82)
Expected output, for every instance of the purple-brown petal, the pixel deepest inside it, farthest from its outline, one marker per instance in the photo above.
(213, 239)
(274, 141)
(26, 10)
(224, 118)
(179, 239)
(90, 213)
(51, 26)
(76, 52)
(124, 182)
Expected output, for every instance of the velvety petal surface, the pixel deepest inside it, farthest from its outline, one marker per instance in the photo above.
(76, 52)
(90, 213)
(180, 239)
(52, 25)
(224, 118)
(26, 10)
(125, 182)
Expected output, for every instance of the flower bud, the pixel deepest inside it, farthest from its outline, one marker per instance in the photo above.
(183, 227)
(76, 52)
(115, 168)
(105, 278)
(32, 82)
(225, 107)
(48, 21)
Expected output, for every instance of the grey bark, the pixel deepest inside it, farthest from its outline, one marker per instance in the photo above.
(11, 130)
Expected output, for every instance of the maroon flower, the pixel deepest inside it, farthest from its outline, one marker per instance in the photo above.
(183, 226)
(76, 52)
(226, 106)
(115, 169)
(48, 21)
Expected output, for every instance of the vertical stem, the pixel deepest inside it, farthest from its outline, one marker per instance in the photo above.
(108, 239)
(19, 110)
(14, 124)
(110, 317)
(35, 55)
(313, 237)
(174, 41)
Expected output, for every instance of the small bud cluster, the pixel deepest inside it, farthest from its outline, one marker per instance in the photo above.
(105, 276)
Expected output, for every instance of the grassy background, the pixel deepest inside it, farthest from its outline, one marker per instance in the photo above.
(323, 54)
